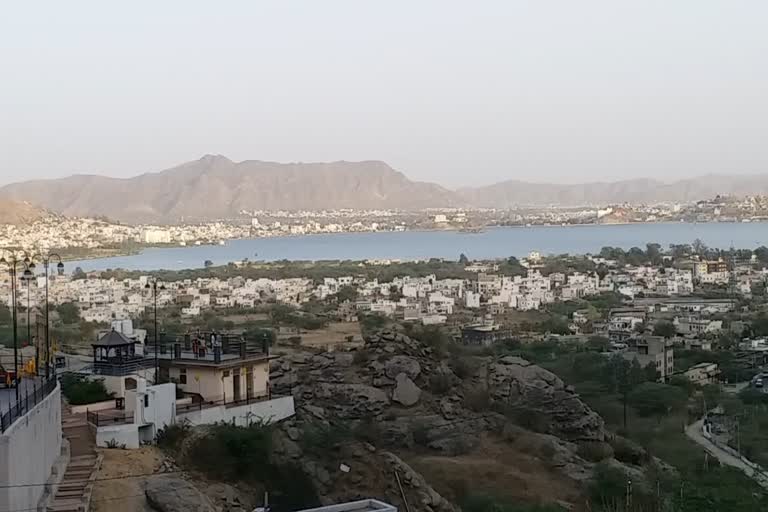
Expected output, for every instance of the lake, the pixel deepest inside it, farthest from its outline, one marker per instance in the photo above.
(408, 245)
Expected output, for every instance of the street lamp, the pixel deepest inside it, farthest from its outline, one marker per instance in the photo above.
(152, 284)
(15, 264)
(46, 260)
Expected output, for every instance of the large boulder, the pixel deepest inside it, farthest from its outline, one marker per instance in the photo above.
(402, 364)
(406, 392)
(539, 395)
(169, 493)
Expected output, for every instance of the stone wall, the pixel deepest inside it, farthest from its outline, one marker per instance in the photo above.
(28, 450)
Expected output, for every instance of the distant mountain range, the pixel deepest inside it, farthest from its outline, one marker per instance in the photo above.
(216, 187)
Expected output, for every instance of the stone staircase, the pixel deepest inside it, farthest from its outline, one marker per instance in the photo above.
(73, 494)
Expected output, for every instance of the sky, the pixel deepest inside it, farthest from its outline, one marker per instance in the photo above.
(456, 92)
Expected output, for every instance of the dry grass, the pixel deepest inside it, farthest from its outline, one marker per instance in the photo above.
(510, 470)
(334, 334)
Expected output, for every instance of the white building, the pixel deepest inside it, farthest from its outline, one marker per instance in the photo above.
(156, 236)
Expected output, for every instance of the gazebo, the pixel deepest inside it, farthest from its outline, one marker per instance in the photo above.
(114, 349)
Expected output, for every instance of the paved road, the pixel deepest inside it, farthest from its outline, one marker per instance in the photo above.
(8, 395)
(694, 432)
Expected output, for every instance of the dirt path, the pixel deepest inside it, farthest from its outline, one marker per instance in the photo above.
(123, 492)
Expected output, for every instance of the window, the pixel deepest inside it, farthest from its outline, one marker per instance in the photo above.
(226, 373)
(146, 400)
(183, 376)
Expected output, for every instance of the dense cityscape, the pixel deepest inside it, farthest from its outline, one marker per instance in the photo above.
(344, 256)
(93, 237)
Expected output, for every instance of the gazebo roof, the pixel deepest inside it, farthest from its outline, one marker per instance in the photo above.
(113, 339)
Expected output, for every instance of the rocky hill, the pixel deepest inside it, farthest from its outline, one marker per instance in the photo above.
(216, 187)
(397, 405)
(19, 212)
(640, 191)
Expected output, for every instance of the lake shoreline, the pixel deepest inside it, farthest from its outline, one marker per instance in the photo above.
(492, 243)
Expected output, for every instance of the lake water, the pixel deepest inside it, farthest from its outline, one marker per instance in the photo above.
(493, 243)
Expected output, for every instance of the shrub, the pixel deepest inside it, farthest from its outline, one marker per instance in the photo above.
(462, 367)
(490, 503)
(594, 451)
(112, 443)
(171, 437)
(323, 438)
(80, 390)
(628, 452)
(232, 452)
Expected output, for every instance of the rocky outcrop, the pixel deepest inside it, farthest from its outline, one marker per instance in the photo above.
(402, 364)
(406, 392)
(521, 386)
(350, 401)
(170, 493)
(398, 393)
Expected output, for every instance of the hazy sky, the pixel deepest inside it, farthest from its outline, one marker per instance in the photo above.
(461, 93)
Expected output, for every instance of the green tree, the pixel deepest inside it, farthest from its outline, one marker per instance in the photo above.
(346, 293)
(463, 259)
(653, 253)
(665, 329)
(699, 247)
(656, 399)
(684, 383)
(69, 312)
(78, 274)
(555, 325)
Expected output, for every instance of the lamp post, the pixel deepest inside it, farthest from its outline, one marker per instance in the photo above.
(27, 282)
(152, 284)
(46, 260)
(15, 263)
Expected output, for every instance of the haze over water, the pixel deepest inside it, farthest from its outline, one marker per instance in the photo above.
(409, 245)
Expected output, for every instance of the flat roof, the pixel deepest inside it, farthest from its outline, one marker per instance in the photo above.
(208, 361)
(369, 505)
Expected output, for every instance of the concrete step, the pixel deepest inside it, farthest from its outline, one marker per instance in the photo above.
(76, 477)
(66, 508)
(66, 495)
(89, 463)
(82, 458)
(66, 505)
(65, 487)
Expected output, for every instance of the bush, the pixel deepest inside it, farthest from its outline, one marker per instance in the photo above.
(489, 503)
(233, 452)
(462, 367)
(594, 451)
(172, 436)
(113, 444)
(628, 452)
(322, 438)
(80, 390)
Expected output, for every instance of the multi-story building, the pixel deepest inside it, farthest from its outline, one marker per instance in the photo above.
(655, 351)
